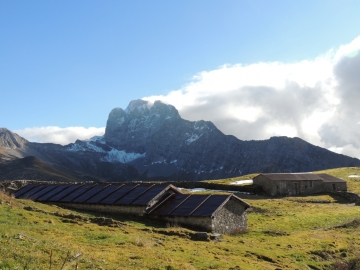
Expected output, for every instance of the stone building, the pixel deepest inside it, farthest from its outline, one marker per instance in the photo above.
(213, 213)
(332, 183)
(291, 184)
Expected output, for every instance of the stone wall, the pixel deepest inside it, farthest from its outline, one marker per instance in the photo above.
(198, 223)
(289, 187)
(230, 218)
(303, 187)
(108, 209)
(350, 196)
(335, 186)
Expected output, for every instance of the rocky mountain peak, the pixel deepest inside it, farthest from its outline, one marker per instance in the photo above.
(138, 106)
(145, 108)
(130, 129)
(11, 140)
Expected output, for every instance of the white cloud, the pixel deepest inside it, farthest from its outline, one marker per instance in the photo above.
(316, 100)
(59, 135)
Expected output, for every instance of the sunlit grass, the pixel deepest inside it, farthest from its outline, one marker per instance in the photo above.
(284, 233)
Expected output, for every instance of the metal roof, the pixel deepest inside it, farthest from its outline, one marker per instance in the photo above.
(330, 178)
(27, 194)
(193, 205)
(103, 194)
(23, 190)
(89, 193)
(292, 176)
(48, 195)
(108, 194)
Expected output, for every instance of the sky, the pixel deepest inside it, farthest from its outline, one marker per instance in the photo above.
(255, 68)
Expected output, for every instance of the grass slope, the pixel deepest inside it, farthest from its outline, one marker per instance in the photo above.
(32, 168)
(314, 232)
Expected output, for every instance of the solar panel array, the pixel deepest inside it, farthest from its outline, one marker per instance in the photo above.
(175, 204)
(190, 205)
(110, 194)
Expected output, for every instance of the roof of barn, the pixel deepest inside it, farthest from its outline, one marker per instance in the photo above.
(292, 176)
(194, 205)
(109, 194)
(330, 178)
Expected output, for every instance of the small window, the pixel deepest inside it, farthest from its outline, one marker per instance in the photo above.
(310, 183)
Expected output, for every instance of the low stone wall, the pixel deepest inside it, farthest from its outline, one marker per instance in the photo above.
(350, 196)
(13, 185)
(101, 208)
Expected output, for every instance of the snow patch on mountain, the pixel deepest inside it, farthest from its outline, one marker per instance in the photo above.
(88, 145)
(112, 155)
(193, 138)
(76, 147)
(121, 156)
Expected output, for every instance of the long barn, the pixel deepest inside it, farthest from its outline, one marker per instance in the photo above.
(213, 213)
(292, 184)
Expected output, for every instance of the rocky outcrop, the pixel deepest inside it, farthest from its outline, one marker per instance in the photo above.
(11, 140)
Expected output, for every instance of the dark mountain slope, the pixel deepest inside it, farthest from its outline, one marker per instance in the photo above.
(32, 168)
(174, 148)
(152, 142)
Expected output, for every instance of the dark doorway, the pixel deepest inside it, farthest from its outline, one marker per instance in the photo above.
(296, 189)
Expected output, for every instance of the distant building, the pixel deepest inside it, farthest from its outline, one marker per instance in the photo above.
(290, 184)
(213, 213)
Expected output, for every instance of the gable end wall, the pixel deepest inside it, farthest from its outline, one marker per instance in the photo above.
(230, 218)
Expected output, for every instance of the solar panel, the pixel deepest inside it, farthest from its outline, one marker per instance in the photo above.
(132, 195)
(145, 198)
(30, 192)
(89, 193)
(189, 205)
(41, 192)
(118, 194)
(209, 206)
(103, 194)
(21, 191)
(167, 207)
(64, 193)
(75, 193)
(52, 193)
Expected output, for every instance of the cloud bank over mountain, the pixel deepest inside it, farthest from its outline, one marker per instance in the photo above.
(59, 135)
(316, 100)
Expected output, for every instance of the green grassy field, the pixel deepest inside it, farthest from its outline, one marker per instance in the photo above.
(313, 232)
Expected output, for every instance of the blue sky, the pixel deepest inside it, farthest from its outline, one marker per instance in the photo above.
(68, 63)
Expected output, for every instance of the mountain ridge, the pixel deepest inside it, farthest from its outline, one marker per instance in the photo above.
(150, 141)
